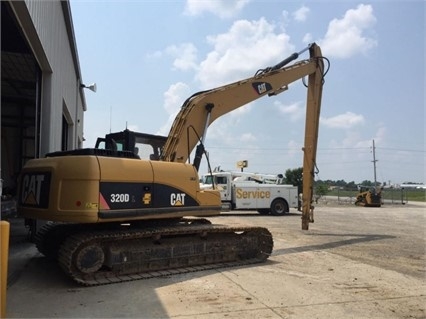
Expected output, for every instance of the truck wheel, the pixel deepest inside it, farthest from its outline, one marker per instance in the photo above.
(279, 207)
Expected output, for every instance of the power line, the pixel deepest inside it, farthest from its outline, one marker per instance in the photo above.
(401, 150)
(284, 149)
(366, 148)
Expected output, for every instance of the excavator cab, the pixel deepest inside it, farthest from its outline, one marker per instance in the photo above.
(146, 146)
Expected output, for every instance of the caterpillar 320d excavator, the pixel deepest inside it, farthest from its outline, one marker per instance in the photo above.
(114, 216)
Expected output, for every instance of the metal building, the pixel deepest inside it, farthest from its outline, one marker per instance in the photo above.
(42, 98)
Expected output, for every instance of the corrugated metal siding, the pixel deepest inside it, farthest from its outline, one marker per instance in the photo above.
(49, 22)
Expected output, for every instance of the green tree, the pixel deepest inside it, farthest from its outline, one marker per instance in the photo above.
(351, 186)
(320, 191)
(366, 183)
(295, 177)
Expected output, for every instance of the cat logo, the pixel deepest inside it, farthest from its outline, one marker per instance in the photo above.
(177, 199)
(261, 87)
(34, 189)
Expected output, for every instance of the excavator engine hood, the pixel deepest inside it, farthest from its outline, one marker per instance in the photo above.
(77, 187)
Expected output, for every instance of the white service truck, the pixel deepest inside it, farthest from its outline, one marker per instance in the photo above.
(247, 191)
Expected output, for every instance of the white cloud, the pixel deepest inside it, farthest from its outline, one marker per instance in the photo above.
(353, 139)
(223, 129)
(380, 134)
(285, 19)
(301, 14)
(221, 8)
(346, 120)
(154, 55)
(248, 137)
(186, 56)
(354, 148)
(294, 111)
(133, 127)
(173, 100)
(307, 38)
(175, 96)
(239, 53)
(345, 37)
(357, 139)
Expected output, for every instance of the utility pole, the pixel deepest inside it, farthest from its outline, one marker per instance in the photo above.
(374, 164)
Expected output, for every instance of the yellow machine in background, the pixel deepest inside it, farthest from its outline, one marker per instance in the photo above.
(368, 197)
(115, 215)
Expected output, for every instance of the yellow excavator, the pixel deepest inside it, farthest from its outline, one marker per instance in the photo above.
(120, 214)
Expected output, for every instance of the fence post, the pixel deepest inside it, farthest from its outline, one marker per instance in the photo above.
(4, 237)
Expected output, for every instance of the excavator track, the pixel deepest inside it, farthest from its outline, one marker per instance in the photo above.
(105, 256)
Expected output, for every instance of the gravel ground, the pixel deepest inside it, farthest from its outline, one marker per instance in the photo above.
(353, 262)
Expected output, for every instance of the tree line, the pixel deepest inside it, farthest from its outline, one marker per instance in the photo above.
(295, 177)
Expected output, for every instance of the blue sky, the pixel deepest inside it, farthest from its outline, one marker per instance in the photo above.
(147, 57)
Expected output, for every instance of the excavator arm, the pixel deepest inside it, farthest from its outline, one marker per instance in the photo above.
(313, 108)
(201, 109)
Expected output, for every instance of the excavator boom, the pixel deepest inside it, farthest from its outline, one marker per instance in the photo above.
(202, 108)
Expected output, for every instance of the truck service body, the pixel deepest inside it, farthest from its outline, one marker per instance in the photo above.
(241, 191)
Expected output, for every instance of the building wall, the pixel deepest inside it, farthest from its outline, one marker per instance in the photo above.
(47, 26)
